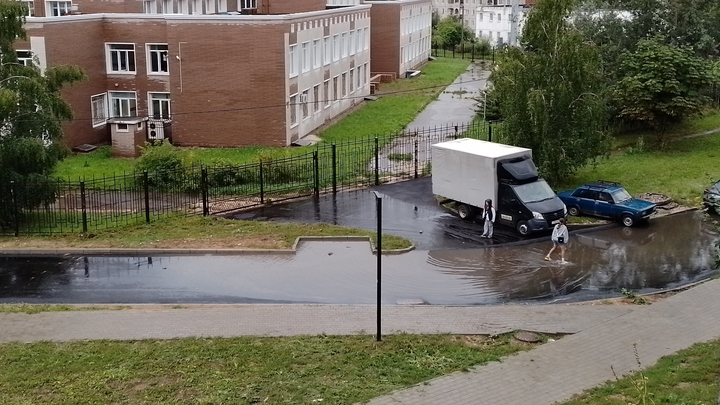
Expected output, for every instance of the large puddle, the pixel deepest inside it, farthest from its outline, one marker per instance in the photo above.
(668, 252)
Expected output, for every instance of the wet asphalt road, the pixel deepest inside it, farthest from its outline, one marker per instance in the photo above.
(668, 252)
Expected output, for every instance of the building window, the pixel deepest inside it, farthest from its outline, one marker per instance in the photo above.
(358, 39)
(159, 105)
(305, 56)
(365, 73)
(149, 7)
(157, 58)
(326, 92)
(304, 99)
(121, 58)
(499, 17)
(293, 110)
(123, 104)
(249, 4)
(336, 48)
(293, 61)
(317, 54)
(352, 81)
(25, 57)
(365, 38)
(359, 77)
(481, 16)
(344, 84)
(327, 45)
(58, 8)
(335, 89)
(30, 4)
(316, 98)
(98, 106)
(343, 44)
(351, 43)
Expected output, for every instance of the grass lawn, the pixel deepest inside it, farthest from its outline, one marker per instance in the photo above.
(708, 121)
(682, 171)
(689, 377)
(287, 370)
(198, 232)
(391, 112)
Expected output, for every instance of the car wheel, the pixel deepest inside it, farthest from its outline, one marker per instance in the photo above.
(522, 228)
(628, 220)
(465, 211)
(573, 211)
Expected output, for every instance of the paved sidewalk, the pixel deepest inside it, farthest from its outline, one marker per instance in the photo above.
(555, 371)
(285, 320)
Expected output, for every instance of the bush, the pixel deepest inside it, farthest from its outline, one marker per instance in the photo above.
(169, 167)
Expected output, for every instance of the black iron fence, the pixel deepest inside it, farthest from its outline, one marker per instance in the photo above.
(470, 52)
(59, 206)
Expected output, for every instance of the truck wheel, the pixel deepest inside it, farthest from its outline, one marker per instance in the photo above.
(628, 220)
(465, 211)
(573, 211)
(522, 228)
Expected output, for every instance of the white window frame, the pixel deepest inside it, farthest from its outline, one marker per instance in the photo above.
(336, 48)
(327, 50)
(293, 60)
(305, 100)
(316, 99)
(150, 54)
(365, 38)
(53, 8)
(28, 59)
(293, 110)
(343, 44)
(111, 107)
(99, 116)
(108, 58)
(151, 108)
(30, 4)
(317, 54)
(336, 90)
(248, 4)
(351, 79)
(305, 56)
(359, 78)
(326, 92)
(351, 43)
(343, 85)
(358, 40)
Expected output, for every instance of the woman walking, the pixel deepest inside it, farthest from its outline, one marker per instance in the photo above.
(559, 237)
(488, 219)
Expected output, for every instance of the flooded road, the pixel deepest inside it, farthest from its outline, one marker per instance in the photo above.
(669, 252)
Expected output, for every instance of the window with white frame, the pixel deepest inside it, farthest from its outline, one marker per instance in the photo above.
(365, 73)
(317, 54)
(365, 38)
(344, 84)
(351, 43)
(159, 105)
(157, 59)
(121, 58)
(358, 39)
(326, 92)
(316, 98)
(25, 57)
(327, 50)
(249, 4)
(359, 81)
(293, 61)
(293, 109)
(481, 16)
(123, 104)
(335, 89)
(58, 8)
(98, 106)
(149, 7)
(304, 99)
(352, 81)
(305, 56)
(499, 17)
(30, 4)
(336, 48)
(343, 44)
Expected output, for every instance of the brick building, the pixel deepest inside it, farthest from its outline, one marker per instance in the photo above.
(212, 72)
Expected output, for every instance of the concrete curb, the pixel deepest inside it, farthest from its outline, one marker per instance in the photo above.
(192, 252)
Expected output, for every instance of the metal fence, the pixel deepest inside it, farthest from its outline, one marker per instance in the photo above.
(470, 52)
(59, 206)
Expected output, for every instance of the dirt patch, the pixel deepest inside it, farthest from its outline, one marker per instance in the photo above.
(619, 398)
(683, 385)
(237, 242)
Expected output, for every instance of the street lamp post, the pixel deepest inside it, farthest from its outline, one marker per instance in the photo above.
(378, 205)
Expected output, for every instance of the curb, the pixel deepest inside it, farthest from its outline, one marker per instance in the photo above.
(193, 252)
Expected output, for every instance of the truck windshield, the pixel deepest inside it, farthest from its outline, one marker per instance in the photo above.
(534, 192)
(620, 195)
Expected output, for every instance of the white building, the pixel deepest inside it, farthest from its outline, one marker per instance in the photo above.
(468, 8)
(495, 21)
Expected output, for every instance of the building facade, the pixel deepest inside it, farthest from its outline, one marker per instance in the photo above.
(465, 8)
(500, 21)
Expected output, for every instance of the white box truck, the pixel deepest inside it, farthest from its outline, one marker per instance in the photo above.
(469, 171)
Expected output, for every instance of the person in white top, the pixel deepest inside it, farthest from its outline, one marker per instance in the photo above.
(559, 237)
(488, 219)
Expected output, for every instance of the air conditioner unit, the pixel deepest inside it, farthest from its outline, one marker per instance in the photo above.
(156, 130)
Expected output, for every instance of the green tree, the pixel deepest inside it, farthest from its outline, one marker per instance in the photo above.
(661, 85)
(551, 94)
(31, 112)
(450, 32)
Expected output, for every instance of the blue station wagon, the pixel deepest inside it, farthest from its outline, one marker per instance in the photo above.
(607, 200)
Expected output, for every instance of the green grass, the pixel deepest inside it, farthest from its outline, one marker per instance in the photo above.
(286, 370)
(38, 308)
(682, 171)
(689, 377)
(708, 121)
(199, 232)
(390, 113)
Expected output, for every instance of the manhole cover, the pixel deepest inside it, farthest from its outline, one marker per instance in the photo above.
(528, 337)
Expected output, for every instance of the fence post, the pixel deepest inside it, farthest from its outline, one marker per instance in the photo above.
(472, 54)
(316, 175)
(444, 52)
(493, 54)
(16, 213)
(262, 186)
(456, 132)
(453, 52)
(377, 161)
(416, 158)
(334, 168)
(490, 131)
(146, 183)
(83, 206)
(204, 191)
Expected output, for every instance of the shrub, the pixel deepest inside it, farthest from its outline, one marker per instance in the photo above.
(169, 167)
